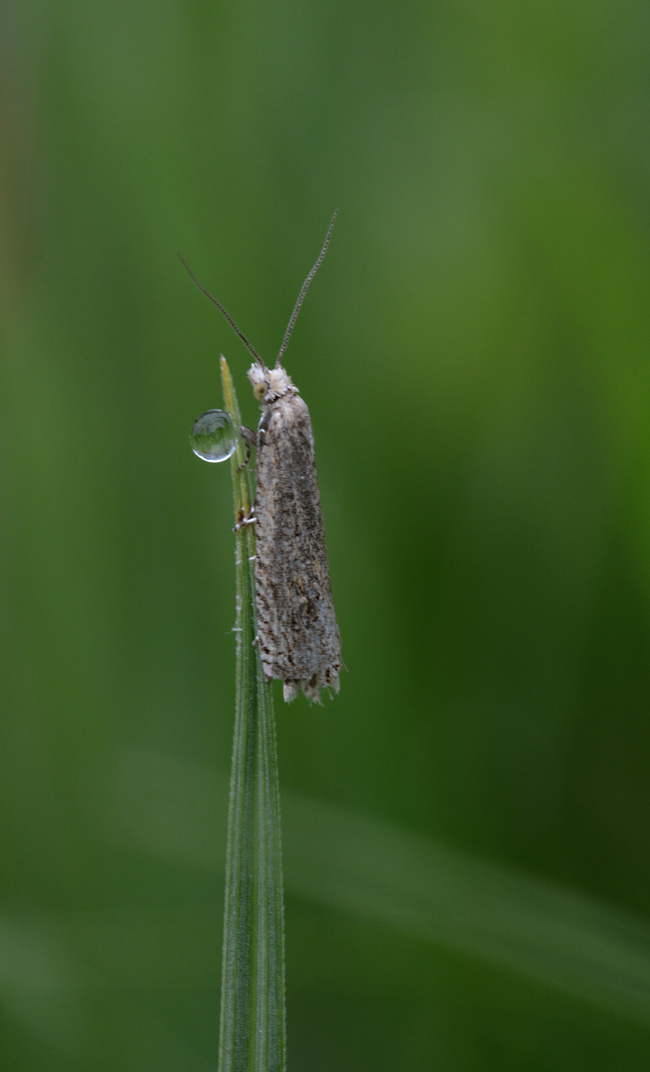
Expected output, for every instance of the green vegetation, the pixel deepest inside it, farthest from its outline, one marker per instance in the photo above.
(465, 829)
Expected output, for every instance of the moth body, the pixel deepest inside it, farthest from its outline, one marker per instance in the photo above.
(297, 632)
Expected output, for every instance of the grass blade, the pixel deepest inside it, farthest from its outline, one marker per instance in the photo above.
(252, 1030)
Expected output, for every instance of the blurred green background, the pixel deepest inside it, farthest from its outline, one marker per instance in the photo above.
(467, 826)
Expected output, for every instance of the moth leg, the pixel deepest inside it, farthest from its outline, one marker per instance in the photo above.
(244, 519)
(250, 439)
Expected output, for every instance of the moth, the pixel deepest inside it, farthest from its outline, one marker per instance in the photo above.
(297, 632)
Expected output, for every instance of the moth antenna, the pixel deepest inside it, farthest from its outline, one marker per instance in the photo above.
(303, 291)
(221, 309)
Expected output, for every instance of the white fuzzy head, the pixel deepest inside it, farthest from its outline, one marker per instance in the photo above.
(270, 384)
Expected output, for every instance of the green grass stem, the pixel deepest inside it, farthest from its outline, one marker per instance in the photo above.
(252, 1029)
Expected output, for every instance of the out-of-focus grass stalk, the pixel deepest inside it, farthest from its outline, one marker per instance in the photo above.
(252, 1030)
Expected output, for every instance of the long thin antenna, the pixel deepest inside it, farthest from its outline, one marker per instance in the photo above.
(227, 315)
(301, 296)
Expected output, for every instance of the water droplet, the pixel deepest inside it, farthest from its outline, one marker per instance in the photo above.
(214, 436)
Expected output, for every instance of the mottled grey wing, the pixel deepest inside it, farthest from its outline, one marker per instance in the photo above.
(297, 630)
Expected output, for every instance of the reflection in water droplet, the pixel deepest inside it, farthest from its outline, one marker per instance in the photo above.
(214, 436)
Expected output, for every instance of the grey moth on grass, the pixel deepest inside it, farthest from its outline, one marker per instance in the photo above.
(297, 631)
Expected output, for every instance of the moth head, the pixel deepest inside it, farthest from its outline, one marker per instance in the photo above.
(269, 384)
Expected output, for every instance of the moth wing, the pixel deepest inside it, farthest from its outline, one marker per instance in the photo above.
(297, 629)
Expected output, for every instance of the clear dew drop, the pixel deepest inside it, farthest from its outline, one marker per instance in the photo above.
(214, 436)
